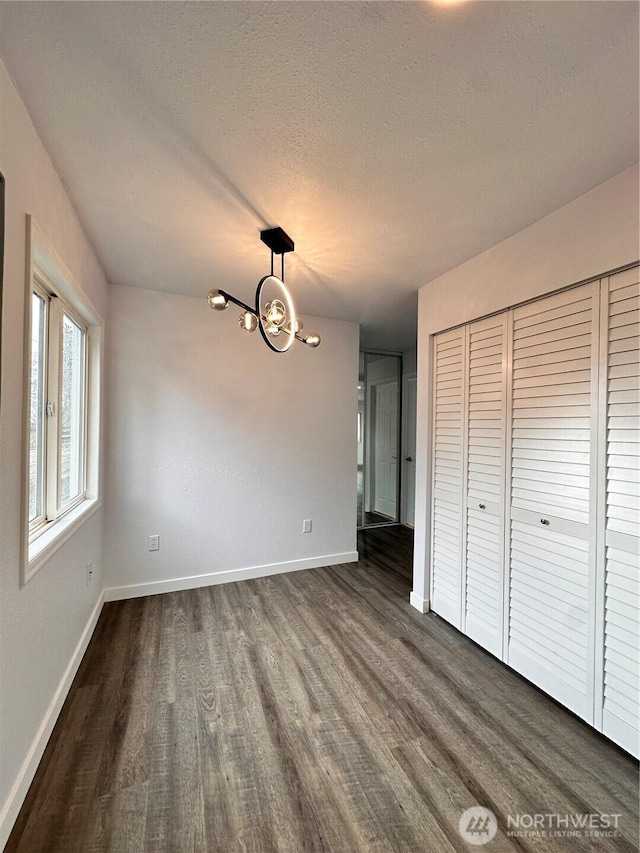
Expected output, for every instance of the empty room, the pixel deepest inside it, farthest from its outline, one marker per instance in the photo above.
(319, 426)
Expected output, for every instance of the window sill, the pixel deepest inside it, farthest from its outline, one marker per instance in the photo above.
(56, 534)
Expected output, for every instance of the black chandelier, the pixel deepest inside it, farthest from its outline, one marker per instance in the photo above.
(274, 313)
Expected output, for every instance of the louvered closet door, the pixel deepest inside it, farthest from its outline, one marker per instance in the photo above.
(552, 553)
(448, 455)
(484, 546)
(620, 718)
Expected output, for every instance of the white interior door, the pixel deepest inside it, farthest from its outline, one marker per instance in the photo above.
(621, 511)
(485, 485)
(552, 560)
(409, 406)
(448, 474)
(386, 449)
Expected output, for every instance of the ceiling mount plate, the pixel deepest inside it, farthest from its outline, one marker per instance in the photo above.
(277, 240)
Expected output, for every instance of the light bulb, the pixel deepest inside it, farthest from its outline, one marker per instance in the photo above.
(298, 326)
(248, 321)
(312, 339)
(275, 312)
(273, 330)
(217, 300)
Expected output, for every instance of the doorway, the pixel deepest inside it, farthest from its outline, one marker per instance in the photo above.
(379, 394)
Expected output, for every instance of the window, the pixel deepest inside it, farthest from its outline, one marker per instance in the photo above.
(58, 405)
(63, 392)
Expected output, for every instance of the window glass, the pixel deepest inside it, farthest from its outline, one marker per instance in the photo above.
(72, 409)
(37, 408)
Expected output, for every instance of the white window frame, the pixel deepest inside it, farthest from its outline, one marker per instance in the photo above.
(47, 275)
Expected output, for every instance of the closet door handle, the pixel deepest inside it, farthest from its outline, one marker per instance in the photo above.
(482, 506)
(544, 521)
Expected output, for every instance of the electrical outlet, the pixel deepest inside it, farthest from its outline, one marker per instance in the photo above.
(306, 525)
(89, 572)
(154, 542)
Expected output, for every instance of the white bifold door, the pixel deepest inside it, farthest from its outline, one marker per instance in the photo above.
(536, 494)
(553, 443)
(447, 462)
(468, 462)
(483, 574)
(619, 521)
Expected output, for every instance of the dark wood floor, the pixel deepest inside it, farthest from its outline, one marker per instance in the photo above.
(314, 711)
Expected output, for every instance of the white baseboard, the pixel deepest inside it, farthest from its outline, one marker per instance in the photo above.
(14, 801)
(116, 593)
(420, 604)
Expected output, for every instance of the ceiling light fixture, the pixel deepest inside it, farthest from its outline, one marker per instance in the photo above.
(274, 313)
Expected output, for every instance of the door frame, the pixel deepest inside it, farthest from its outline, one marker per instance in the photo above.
(368, 451)
(406, 378)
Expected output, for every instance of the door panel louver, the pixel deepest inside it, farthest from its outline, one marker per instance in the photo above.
(554, 383)
(623, 375)
(448, 474)
(548, 619)
(483, 564)
(552, 409)
(622, 637)
(621, 678)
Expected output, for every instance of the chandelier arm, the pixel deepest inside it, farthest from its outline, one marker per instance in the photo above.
(264, 319)
(237, 302)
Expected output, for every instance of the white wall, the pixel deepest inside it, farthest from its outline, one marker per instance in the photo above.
(42, 622)
(222, 447)
(593, 234)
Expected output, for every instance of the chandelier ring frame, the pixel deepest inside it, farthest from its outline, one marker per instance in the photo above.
(291, 313)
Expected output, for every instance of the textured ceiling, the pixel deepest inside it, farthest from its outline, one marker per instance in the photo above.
(391, 140)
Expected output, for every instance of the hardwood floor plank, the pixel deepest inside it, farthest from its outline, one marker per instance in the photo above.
(314, 711)
(129, 821)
